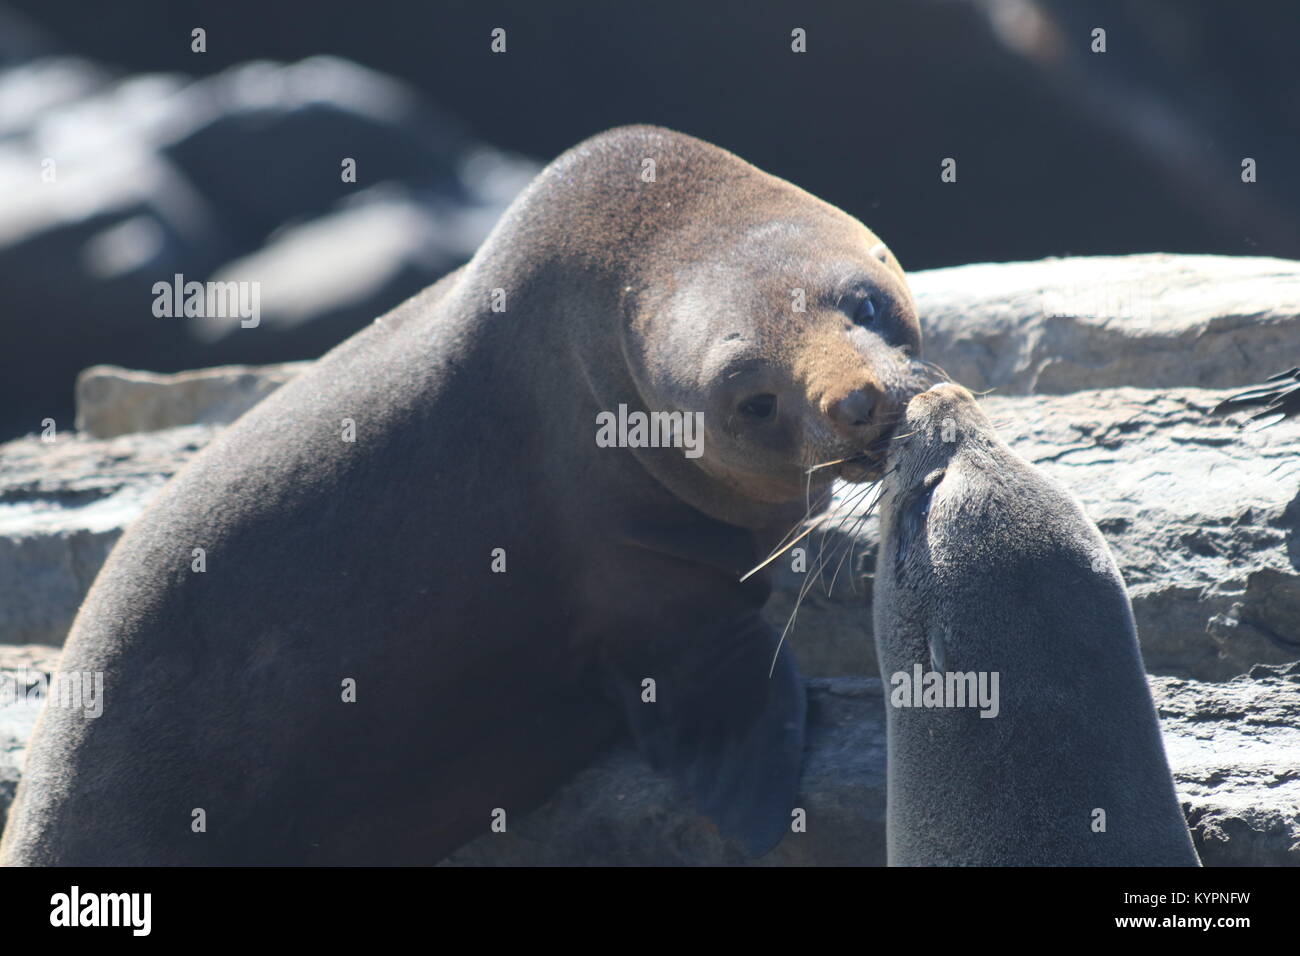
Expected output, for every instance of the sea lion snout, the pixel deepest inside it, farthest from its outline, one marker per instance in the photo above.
(849, 383)
(864, 418)
(853, 413)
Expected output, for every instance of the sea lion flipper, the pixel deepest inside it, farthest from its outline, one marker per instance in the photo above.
(1279, 396)
(725, 730)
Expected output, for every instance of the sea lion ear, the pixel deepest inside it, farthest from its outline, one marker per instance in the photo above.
(914, 516)
(725, 730)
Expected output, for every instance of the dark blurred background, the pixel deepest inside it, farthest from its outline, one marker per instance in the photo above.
(200, 163)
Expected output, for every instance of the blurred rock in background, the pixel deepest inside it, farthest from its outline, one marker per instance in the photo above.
(113, 183)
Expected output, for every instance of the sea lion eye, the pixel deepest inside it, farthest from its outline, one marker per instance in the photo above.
(758, 406)
(865, 313)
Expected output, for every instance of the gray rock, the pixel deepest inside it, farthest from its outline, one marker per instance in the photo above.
(159, 175)
(44, 84)
(1235, 752)
(330, 255)
(114, 401)
(1152, 321)
(320, 280)
(82, 250)
(303, 118)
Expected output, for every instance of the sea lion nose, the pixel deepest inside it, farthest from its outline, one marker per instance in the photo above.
(850, 414)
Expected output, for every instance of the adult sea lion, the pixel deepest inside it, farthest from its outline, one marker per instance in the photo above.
(1037, 743)
(506, 594)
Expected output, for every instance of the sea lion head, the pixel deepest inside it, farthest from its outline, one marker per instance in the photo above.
(792, 330)
(938, 424)
(775, 324)
(943, 435)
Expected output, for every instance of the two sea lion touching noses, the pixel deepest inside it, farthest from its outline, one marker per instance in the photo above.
(500, 596)
(429, 595)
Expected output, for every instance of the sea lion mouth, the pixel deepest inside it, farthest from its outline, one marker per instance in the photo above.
(868, 465)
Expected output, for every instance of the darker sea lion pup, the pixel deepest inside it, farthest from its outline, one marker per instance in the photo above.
(1021, 729)
(398, 636)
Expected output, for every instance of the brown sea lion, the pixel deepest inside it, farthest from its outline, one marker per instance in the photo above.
(504, 594)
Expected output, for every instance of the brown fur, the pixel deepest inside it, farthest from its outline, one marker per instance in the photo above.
(476, 430)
